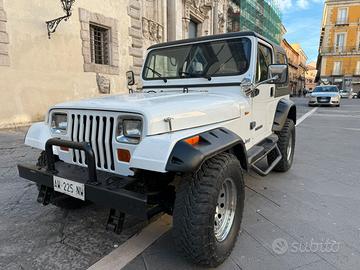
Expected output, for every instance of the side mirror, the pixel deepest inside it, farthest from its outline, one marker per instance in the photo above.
(279, 73)
(130, 78)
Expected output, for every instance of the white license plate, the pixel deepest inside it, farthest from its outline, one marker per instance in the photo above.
(68, 187)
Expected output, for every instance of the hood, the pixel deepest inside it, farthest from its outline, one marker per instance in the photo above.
(324, 94)
(186, 110)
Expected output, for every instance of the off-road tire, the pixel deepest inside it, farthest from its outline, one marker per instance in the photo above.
(287, 132)
(66, 202)
(195, 206)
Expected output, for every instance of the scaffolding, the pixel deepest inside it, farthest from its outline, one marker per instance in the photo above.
(261, 16)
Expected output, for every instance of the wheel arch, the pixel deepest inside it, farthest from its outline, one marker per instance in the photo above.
(187, 158)
(286, 109)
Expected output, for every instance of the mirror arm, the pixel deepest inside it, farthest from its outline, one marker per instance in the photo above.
(266, 81)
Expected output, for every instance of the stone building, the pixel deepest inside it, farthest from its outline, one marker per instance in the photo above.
(90, 52)
(310, 76)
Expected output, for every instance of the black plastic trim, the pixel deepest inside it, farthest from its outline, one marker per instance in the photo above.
(215, 37)
(285, 109)
(186, 158)
(192, 85)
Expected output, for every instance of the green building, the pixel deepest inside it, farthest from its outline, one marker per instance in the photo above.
(261, 16)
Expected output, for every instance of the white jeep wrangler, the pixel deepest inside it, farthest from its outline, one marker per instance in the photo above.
(210, 109)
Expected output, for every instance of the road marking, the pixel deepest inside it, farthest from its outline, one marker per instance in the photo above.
(306, 115)
(134, 246)
(337, 115)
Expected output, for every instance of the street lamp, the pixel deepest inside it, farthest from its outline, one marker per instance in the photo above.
(53, 24)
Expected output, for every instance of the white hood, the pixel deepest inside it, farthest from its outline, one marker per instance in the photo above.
(187, 110)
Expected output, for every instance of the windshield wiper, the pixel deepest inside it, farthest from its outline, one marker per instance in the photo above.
(209, 77)
(156, 73)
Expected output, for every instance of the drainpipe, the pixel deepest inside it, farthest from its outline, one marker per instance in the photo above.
(215, 18)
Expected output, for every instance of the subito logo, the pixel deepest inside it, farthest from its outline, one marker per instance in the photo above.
(280, 246)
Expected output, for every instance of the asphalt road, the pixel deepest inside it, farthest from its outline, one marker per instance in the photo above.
(308, 218)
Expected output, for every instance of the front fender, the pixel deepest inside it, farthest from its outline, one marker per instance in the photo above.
(186, 158)
(286, 109)
(157, 152)
(37, 135)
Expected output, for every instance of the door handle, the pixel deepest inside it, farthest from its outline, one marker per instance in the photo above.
(271, 91)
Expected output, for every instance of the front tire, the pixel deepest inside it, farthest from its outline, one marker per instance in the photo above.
(286, 146)
(208, 210)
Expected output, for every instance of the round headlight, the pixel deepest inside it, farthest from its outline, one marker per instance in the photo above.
(59, 123)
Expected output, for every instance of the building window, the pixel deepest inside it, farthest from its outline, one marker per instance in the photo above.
(193, 29)
(342, 16)
(337, 68)
(340, 42)
(357, 71)
(99, 45)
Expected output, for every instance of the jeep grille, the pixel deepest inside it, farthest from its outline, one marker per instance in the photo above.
(99, 131)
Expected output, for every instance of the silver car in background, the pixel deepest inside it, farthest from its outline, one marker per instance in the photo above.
(346, 94)
(325, 95)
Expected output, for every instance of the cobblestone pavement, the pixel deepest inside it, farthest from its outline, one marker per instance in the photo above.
(36, 237)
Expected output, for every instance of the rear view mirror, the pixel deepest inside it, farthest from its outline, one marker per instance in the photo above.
(278, 73)
(130, 78)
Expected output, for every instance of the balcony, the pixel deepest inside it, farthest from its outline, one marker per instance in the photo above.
(339, 50)
(342, 22)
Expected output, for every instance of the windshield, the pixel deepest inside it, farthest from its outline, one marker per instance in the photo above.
(326, 89)
(207, 59)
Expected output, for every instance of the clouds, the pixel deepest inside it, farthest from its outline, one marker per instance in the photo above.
(302, 19)
(287, 5)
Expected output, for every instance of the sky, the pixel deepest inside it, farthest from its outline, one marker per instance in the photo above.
(302, 20)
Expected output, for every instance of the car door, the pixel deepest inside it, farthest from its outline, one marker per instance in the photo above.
(263, 99)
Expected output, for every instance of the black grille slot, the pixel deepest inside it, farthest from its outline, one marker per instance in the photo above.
(99, 132)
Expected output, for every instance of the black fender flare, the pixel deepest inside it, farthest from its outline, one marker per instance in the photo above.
(286, 109)
(186, 158)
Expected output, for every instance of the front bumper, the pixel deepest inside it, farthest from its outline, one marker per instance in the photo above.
(323, 101)
(104, 188)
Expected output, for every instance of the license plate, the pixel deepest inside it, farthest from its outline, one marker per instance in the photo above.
(68, 187)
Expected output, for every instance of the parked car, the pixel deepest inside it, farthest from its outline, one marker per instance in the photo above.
(345, 94)
(325, 95)
(180, 146)
(355, 95)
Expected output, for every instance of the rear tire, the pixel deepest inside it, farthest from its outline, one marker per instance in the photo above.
(286, 146)
(208, 210)
(65, 202)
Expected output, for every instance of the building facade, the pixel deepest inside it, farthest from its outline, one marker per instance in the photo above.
(339, 50)
(262, 16)
(297, 66)
(310, 76)
(302, 60)
(90, 52)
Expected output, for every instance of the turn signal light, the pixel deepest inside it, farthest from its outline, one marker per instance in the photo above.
(193, 140)
(123, 155)
(66, 149)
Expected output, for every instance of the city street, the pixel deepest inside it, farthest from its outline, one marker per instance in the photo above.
(308, 218)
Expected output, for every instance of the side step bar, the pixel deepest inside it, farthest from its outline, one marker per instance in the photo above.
(260, 151)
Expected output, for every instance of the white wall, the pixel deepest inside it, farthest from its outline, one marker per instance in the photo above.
(44, 72)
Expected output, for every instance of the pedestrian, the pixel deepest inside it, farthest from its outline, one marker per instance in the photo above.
(299, 93)
(304, 92)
